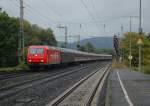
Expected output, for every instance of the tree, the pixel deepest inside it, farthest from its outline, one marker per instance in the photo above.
(148, 37)
(9, 31)
(39, 36)
(88, 47)
(82, 48)
(145, 48)
(104, 51)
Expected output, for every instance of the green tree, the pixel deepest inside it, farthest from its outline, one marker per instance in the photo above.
(145, 48)
(36, 35)
(104, 51)
(88, 47)
(9, 31)
(82, 48)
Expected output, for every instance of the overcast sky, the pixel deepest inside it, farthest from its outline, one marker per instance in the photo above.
(84, 17)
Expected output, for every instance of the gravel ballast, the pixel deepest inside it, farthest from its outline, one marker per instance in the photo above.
(42, 94)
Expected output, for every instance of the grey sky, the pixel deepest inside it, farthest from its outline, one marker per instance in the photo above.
(72, 13)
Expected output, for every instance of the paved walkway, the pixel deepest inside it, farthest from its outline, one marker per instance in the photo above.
(129, 88)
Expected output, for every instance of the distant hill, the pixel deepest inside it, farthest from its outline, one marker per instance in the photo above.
(98, 42)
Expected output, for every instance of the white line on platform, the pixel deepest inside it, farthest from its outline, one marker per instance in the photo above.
(124, 91)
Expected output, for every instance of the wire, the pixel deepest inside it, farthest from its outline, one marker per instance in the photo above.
(94, 9)
(31, 11)
(91, 22)
(90, 14)
(52, 9)
(15, 3)
(40, 14)
(95, 12)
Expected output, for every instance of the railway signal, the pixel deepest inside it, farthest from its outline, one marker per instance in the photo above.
(116, 46)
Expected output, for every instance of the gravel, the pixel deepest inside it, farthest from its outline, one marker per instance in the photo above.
(32, 76)
(80, 96)
(42, 94)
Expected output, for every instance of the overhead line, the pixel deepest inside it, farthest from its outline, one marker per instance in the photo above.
(29, 14)
(88, 10)
(91, 22)
(51, 9)
(94, 9)
(15, 3)
(90, 14)
(39, 16)
(31, 11)
(48, 18)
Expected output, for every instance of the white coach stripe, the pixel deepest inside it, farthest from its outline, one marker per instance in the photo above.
(124, 91)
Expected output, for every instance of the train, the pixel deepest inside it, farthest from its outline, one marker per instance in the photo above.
(44, 55)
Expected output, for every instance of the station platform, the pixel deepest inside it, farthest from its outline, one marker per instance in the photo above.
(128, 88)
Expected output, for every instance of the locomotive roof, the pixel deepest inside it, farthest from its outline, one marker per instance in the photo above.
(68, 50)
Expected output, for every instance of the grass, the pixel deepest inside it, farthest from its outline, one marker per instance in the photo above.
(135, 68)
(21, 67)
(146, 69)
(116, 64)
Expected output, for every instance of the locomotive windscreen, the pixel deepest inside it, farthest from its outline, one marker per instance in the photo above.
(36, 50)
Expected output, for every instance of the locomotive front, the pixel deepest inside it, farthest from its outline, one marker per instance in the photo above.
(36, 55)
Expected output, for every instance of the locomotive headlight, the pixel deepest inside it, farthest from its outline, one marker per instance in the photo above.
(42, 60)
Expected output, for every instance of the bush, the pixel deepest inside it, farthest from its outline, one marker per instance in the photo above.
(135, 68)
(146, 69)
(116, 64)
(21, 67)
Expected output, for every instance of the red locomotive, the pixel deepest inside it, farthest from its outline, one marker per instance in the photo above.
(48, 55)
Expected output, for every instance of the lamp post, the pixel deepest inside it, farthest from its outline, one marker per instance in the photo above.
(140, 18)
(140, 43)
(130, 58)
(140, 33)
(130, 40)
(130, 44)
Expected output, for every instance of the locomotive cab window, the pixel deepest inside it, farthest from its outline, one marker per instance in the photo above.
(36, 50)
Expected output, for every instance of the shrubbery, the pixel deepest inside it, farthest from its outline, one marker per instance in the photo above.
(145, 51)
(146, 69)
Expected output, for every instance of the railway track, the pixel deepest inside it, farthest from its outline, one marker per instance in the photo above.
(8, 91)
(11, 75)
(5, 76)
(85, 92)
(5, 83)
(8, 75)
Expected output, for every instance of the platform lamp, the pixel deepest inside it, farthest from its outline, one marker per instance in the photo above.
(140, 42)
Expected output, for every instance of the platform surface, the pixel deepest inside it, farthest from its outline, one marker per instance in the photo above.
(129, 88)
